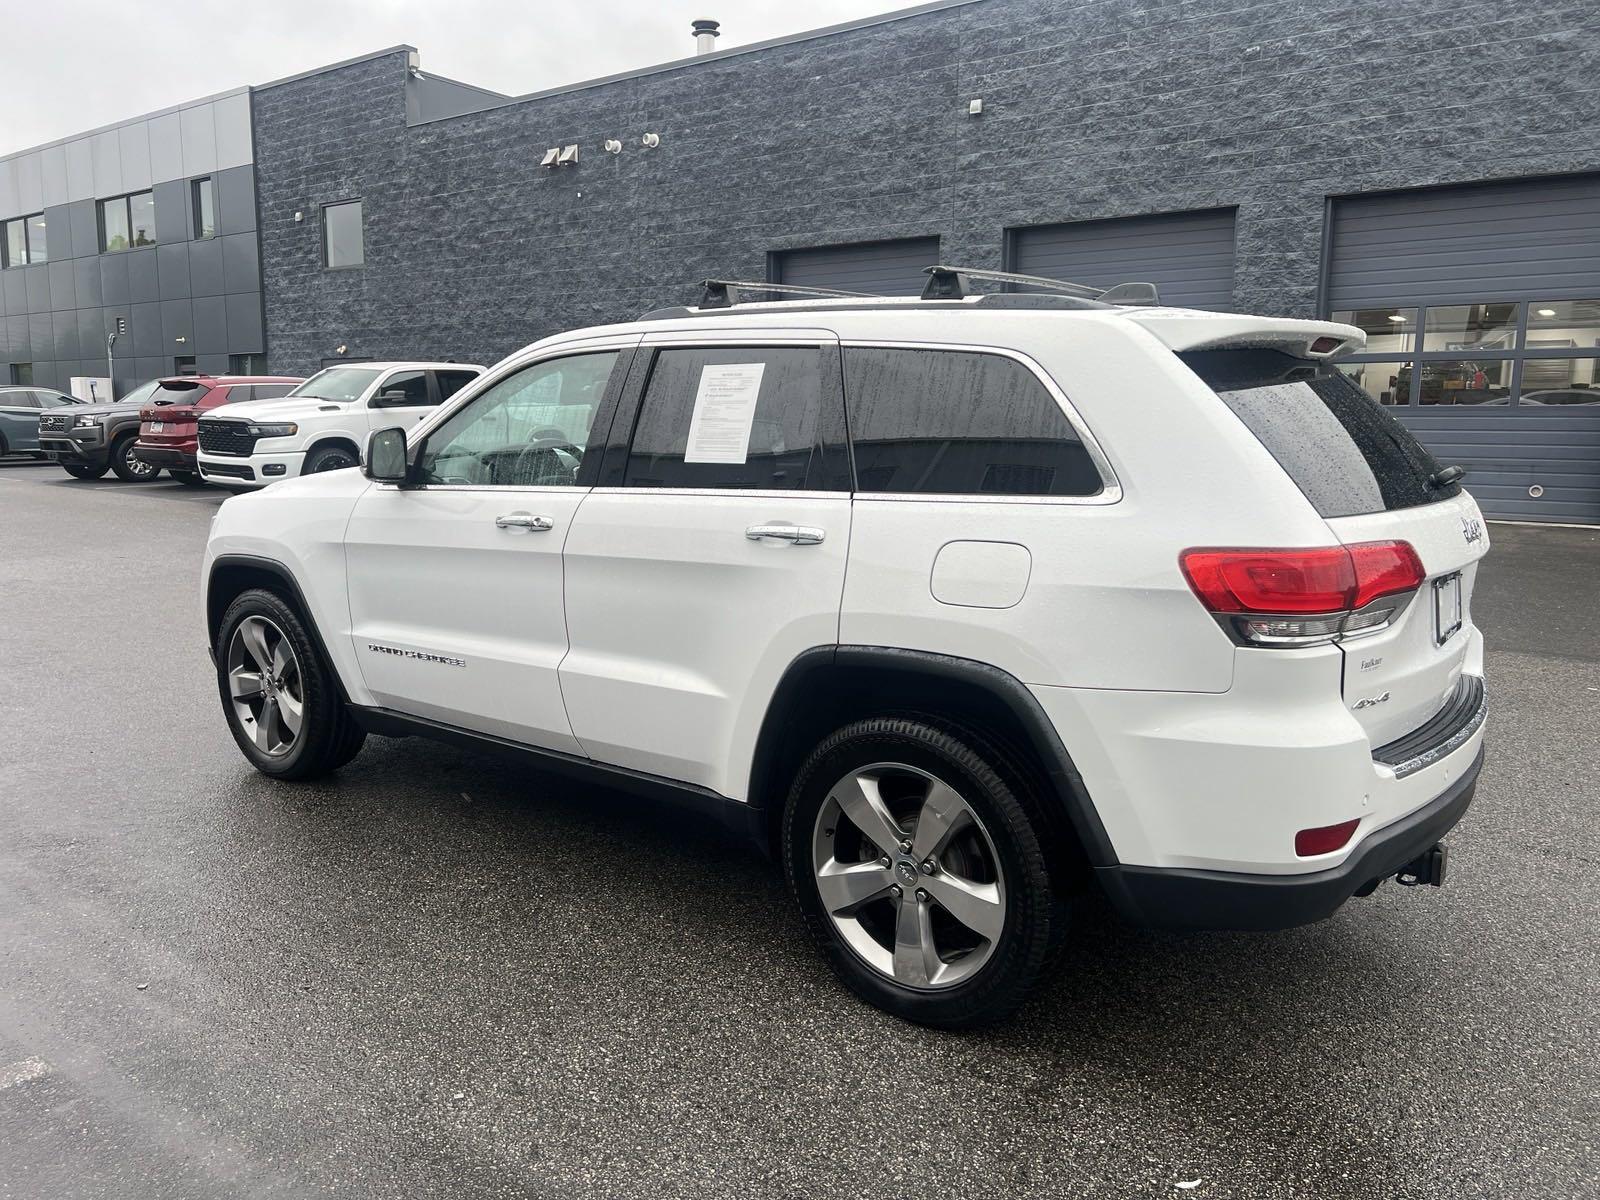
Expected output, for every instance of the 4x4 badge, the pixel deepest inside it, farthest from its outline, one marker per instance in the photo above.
(1471, 529)
(1369, 701)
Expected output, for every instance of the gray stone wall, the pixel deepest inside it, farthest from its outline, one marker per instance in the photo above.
(1094, 109)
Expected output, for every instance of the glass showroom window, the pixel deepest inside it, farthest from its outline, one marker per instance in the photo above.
(23, 241)
(341, 235)
(204, 203)
(127, 222)
(1484, 353)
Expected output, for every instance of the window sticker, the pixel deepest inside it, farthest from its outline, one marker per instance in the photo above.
(724, 410)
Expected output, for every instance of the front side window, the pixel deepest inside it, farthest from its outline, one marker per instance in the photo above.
(728, 418)
(19, 399)
(342, 243)
(127, 222)
(951, 422)
(404, 389)
(341, 384)
(529, 430)
(203, 199)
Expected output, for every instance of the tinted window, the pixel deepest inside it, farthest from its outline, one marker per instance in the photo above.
(451, 382)
(1342, 449)
(728, 418)
(529, 430)
(412, 387)
(142, 218)
(14, 249)
(267, 391)
(38, 245)
(18, 399)
(954, 422)
(337, 383)
(204, 204)
(114, 224)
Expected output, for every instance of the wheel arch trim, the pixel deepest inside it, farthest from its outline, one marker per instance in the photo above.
(1043, 739)
(268, 566)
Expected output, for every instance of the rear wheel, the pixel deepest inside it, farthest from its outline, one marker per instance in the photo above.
(84, 472)
(328, 458)
(187, 478)
(281, 699)
(920, 874)
(129, 467)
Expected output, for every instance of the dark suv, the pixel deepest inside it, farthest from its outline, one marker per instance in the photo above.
(170, 418)
(90, 439)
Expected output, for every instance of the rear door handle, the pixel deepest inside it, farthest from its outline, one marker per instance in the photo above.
(522, 520)
(800, 535)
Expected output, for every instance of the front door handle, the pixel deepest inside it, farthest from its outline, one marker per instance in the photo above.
(800, 535)
(522, 520)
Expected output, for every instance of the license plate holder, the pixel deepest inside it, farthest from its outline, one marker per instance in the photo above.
(158, 427)
(1447, 615)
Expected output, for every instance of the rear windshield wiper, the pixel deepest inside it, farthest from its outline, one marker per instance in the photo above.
(1445, 476)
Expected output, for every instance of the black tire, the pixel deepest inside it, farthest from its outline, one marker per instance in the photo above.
(83, 472)
(187, 478)
(328, 458)
(128, 468)
(5, 447)
(329, 736)
(1017, 958)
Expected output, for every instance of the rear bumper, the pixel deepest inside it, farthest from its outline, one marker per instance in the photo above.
(173, 458)
(1180, 898)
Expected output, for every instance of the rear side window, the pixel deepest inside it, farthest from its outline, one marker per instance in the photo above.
(740, 417)
(19, 399)
(955, 422)
(1339, 445)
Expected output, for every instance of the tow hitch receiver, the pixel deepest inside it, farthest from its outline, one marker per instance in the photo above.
(1428, 868)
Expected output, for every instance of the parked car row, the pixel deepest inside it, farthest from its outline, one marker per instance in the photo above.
(275, 426)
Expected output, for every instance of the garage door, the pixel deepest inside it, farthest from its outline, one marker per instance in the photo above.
(1482, 311)
(877, 268)
(1188, 256)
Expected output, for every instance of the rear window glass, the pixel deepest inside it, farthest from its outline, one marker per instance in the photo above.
(180, 391)
(955, 422)
(1339, 445)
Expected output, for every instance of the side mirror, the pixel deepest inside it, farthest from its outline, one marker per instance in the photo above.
(386, 460)
(395, 399)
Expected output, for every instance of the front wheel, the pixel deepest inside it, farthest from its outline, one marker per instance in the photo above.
(280, 697)
(78, 472)
(328, 458)
(920, 875)
(129, 467)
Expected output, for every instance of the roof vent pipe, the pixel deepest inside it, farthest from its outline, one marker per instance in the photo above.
(705, 36)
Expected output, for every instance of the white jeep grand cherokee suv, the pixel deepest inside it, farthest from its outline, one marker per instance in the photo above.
(323, 423)
(959, 606)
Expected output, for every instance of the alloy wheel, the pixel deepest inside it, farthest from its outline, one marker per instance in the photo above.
(135, 465)
(266, 685)
(908, 875)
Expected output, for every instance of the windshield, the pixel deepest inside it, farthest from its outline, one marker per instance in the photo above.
(337, 383)
(1343, 449)
(141, 393)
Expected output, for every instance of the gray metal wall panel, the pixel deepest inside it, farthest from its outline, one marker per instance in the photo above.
(877, 268)
(1188, 256)
(1509, 451)
(1538, 239)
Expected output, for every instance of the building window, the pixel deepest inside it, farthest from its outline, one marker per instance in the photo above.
(204, 202)
(1492, 352)
(24, 242)
(22, 373)
(183, 364)
(341, 235)
(247, 364)
(127, 222)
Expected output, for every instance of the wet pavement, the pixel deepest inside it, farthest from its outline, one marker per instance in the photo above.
(436, 975)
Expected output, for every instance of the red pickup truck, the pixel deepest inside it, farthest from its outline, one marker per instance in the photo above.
(168, 423)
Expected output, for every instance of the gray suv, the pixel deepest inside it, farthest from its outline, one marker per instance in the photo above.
(91, 439)
(19, 417)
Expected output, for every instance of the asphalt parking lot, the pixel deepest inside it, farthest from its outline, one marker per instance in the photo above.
(437, 976)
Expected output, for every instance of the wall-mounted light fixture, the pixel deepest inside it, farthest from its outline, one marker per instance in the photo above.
(650, 141)
(975, 107)
(341, 348)
(613, 145)
(298, 217)
(180, 339)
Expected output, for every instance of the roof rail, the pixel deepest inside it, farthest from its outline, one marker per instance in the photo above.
(724, 293)
(950, 283)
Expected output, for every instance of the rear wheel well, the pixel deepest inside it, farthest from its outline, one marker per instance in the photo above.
(821, 694)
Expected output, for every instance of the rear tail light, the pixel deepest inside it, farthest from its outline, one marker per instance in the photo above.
(1298, 597)
(1324, 839)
